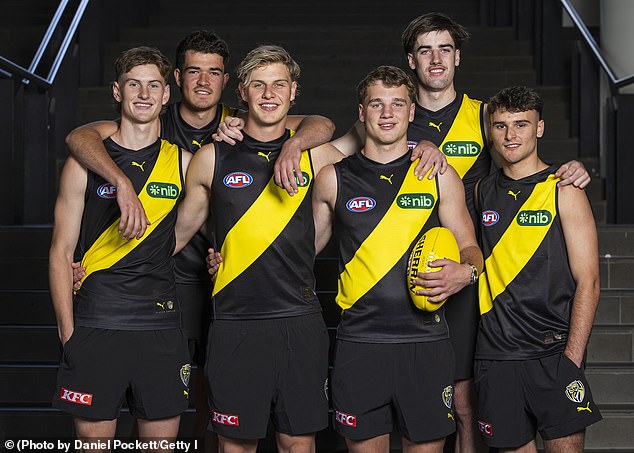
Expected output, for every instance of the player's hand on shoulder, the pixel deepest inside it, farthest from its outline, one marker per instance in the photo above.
(574, 173)
(213, 262)
(287, 165)
(450, 279)
(230, 130)
(432, 160)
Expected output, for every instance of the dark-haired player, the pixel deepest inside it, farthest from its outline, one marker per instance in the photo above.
(121, 332)
(201, 58)
(538, 292)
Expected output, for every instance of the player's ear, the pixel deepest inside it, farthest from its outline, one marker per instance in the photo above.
(361, 113)
(457, 57)
(540, 128)
(411, 62)
(412, 109)
(293, 90)
(225, 80)
(116, 91)
(166, 95)
(177, 76)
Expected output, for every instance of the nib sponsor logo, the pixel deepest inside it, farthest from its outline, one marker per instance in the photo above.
(346, 419)
(84, 399)
(224, 419)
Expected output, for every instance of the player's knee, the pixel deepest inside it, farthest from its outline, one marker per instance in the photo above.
(228, 445)
(295, 444)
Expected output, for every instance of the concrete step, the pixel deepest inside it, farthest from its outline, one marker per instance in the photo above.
(611, 345)
(616, 241)
(25, 241)
(32, 306)
(616, 271)
(24, 273)
(612, 385)
(616, 308)
(614, 433)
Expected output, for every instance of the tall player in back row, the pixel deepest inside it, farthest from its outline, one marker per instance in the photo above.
(538, 292)
(458, 125)
(201, 58)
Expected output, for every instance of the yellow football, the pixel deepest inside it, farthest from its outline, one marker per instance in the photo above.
(435, 244)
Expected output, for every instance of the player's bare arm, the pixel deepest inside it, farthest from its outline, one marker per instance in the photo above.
(194, 209)
(580, 234)
(86, 145)
(69, 210)
(324, 197)
(311, 131)
(453, 214)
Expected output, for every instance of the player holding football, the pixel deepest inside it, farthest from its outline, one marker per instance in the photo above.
(393, 362)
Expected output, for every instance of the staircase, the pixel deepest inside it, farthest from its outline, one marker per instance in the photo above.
(336, 44)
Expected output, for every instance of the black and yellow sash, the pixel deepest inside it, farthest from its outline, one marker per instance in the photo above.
(388, 242)
(269, 215)
(109, 248)
(517, 245)
(464, 143)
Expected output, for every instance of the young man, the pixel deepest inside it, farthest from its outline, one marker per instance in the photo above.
(200, 74)
(393, 362)
(458, 126)
(538, 292)
(268, 351)
(121, 333)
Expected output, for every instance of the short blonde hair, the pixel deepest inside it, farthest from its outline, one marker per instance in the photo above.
(264, 56)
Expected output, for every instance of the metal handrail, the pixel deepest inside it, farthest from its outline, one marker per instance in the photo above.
(29, 74)
(596, 51)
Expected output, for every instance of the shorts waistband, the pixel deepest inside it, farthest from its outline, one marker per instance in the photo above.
(302, 320)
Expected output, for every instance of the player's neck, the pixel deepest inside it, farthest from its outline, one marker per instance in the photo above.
(135, 136)
(382, 153)
(264, 132)
(197, 118)
(435, 100)
(524, 168)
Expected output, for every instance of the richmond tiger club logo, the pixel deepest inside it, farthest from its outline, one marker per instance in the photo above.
(575, 391)
(185, 373)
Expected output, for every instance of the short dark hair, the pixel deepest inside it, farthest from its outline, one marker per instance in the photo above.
(430, 22)
(516, 99)
(390, 76)
(202, 41)
(138, 56)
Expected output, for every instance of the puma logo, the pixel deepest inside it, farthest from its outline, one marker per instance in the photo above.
(513, 194)
(186, 393)
(437, 126)
(449, 416)
(161, 305)
(385, 178)
(140, 165)
(199, 144)
(586, 408)
(266, 156)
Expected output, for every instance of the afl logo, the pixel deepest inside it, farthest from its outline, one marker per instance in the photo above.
(107, 190)
(411, 144)
(490, 218)
(237, 180)
(360, 204)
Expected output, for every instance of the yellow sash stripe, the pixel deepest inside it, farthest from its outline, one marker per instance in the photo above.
(268, 215)
(226, 111)
(387, 243)
(109, 248)
(516, 246)
(466, 127)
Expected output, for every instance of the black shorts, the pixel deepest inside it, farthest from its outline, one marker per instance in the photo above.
(195, 305)
(375, 386)
(101, 368)
(274, 368)
(517, 398)
(463, 314)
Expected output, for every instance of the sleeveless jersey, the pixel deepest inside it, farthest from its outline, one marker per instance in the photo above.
(526, 288)
(189, 263)
(129, 285)
(266, 238)
(458, 131)
(380, 212)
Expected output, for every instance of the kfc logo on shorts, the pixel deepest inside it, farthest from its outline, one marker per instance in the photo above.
(345, 419)
(486, 429)
(84, 399)
(224, 419)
